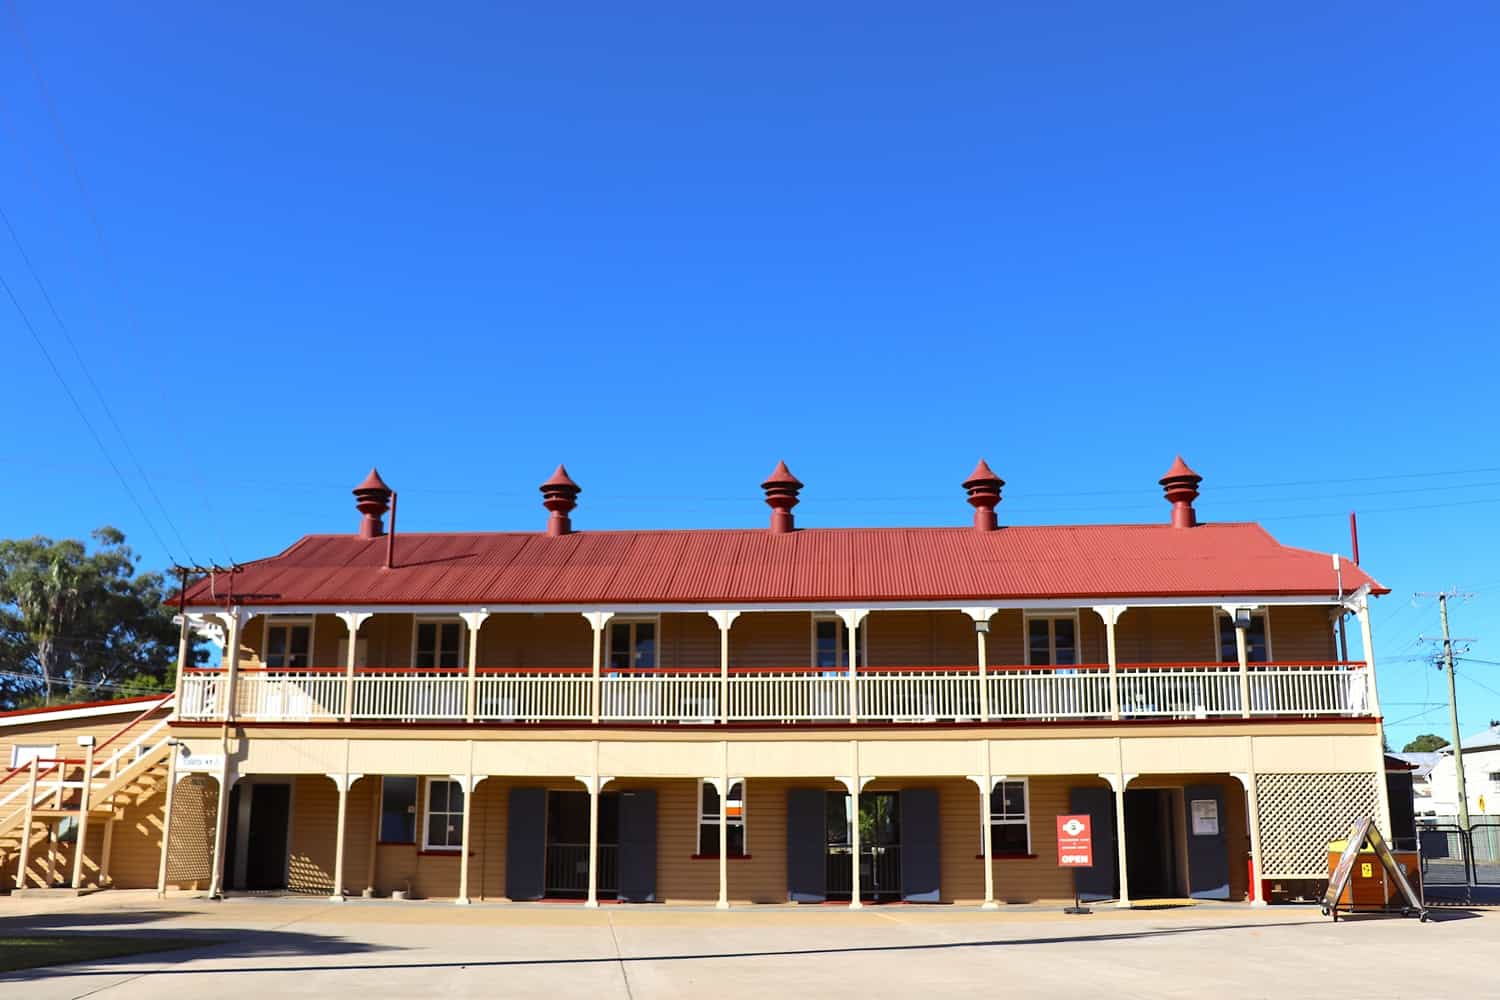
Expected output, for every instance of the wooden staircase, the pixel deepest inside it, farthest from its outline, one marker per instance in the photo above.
(126, 769)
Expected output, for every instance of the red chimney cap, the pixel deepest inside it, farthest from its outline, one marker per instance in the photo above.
(782, 476)
(561, 478)
(1179, 470)
(983, 474)
(372, 482)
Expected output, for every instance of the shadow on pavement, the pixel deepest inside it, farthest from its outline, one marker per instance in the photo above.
(273, 944)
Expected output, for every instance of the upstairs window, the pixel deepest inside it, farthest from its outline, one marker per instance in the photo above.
(1010, 832)
(632, 645)
(1052, 641)
(398, 810)
(445, 814)
(708, 819)
(830, 642)
(288, 644)
(1257, 639)
(439, 644)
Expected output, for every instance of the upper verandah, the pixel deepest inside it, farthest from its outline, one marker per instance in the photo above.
(783, 566)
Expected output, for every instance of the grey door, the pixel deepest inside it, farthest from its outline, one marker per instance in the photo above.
(638, 846)
(1100, 881)
(1208, 843)
(526, 843)
(806, 845)
(920, 871)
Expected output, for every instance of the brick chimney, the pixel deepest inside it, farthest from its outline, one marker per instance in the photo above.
(781, 495)
(1181, 487)
(560, 496)
(984, 494)
(372, 498)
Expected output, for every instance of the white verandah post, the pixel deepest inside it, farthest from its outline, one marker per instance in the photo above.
(597, 620)
(724, 619)
(1111, 614)
(1118, 781)
(352, 620)
(852, 617)
(982, 618)
(854, 783)
(166, 818)
(473, 621)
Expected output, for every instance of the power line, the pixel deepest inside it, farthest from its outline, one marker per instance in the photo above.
(98, 393)
(56, 120)
(26, 321)
(35, 679)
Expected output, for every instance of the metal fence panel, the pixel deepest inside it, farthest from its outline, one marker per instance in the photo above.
(1443, 852)
(1484, 841)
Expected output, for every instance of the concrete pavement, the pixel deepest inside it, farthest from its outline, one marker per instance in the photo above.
(307, 947)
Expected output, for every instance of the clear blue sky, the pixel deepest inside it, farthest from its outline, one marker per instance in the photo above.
(670, 245)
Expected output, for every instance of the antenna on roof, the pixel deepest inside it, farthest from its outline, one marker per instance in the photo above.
(390, 538)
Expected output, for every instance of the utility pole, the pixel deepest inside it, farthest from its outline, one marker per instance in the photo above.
(1447, 660)
(1458, 750)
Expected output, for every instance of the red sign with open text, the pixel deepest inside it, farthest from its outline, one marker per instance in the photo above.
(1075, 842)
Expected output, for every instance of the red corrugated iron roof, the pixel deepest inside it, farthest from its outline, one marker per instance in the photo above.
(758, 566)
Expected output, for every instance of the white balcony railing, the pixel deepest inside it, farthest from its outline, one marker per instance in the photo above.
(660, 696)
(788, 696)
(532, 696)
(1179, 690)
(1061, 693)
(700, 696)
(295, 696)
(917, 695)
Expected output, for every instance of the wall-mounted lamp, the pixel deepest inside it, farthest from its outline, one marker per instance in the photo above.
(85, 741)
(1241, 617)
(982, 626)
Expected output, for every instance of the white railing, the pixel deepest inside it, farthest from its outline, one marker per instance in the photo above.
(1062, 693)
(533, 697)
(1309, 689)
(660, 696)
(881, 694)
(200, 694)
(411, 695)
(788, 696)
(292, 696)
(917, 695)
(1179, 691)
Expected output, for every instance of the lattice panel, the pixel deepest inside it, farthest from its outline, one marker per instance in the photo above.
(1301, 813)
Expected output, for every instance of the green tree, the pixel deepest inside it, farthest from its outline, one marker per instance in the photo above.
(78, 625)
(1425, 743)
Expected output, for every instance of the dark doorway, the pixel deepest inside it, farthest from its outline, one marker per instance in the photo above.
(265, 837)
(1151, 843)
(1101, 881)
(879, 846)
(566, 873)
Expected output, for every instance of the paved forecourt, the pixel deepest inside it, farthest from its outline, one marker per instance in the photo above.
(304, 947)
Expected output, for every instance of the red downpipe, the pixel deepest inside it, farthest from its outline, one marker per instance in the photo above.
(390, 536)
(1354, 537)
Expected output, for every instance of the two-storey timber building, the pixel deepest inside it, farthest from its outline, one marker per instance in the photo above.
(775, 714)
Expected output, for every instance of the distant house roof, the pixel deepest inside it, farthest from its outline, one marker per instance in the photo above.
(755, 566)
(1421, 764)
(1487, 739)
